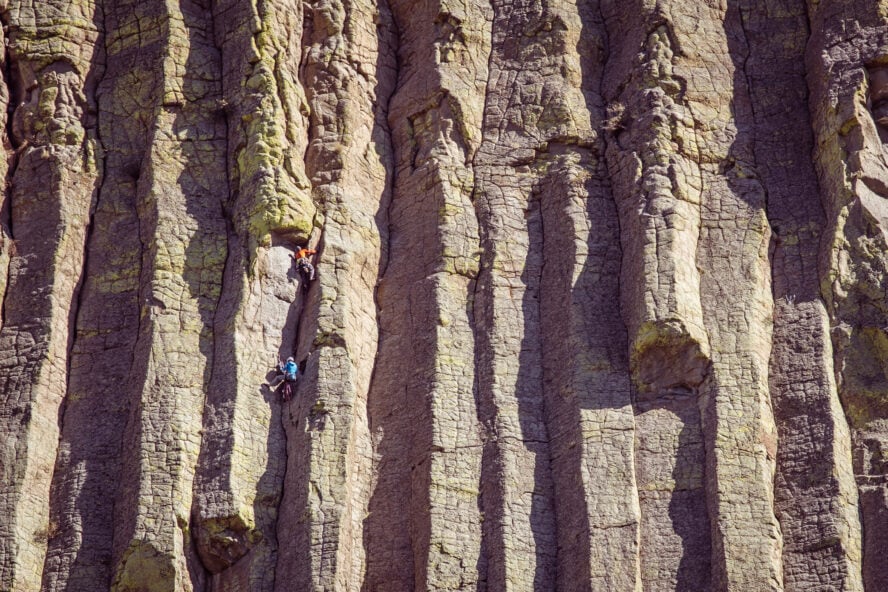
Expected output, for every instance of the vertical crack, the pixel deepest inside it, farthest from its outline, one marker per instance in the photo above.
(476, 287)
(12, 159)
(476, 290)
(223, 115)
(385, 257)
(394, 50)
(100, 164)
(211, 19)
(753, 136)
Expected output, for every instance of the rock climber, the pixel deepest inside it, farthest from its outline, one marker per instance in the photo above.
(303, 264)
(287, 373)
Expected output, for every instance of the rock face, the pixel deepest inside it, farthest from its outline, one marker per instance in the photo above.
(602, 295)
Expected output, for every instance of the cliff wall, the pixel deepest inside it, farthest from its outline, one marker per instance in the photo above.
(601, 297)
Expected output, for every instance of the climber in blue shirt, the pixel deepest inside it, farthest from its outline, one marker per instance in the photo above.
(287, 373)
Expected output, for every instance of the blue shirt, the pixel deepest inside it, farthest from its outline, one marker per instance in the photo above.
(291, 370)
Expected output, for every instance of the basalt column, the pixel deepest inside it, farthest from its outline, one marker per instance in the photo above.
(847, 66)
(55, 60)
(423, 531)
(535, 171)
(586, 383)
(239, 482)
(739, 431)
(681, 161)
(653, 158)
(815, 495)
(179, 196)
(87, 471)
(347, 71)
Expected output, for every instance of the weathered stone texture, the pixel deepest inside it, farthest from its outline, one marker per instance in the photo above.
(239, 481)
(183, 234)
(424, 525)
(347, 78)
(738, 424)
(600, 301)
(50, 195)
(846, 51)
(815, 498)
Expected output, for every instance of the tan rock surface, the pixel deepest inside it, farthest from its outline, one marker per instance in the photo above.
(600, 305)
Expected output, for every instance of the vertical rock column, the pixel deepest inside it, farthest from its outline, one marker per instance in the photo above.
(815, 493)
(88, 465)
(847, 65)
(424, 526)
(738, 423)
(182, 230)
(693, 95)
(6, 242)
(586, 384)
(586, 378)
(516, 482)
(535, 171)
(54, 60)
(348, 73)
(654, 160)
(676, 115)
(239, 482)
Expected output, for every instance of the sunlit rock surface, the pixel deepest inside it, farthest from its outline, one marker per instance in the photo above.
(602, 295)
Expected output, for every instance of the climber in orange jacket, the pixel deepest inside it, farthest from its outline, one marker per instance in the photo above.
(303, 264)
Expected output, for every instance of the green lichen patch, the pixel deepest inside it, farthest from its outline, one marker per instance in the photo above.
(144, 568)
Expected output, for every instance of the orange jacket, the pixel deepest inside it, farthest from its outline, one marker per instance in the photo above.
(303, 252)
